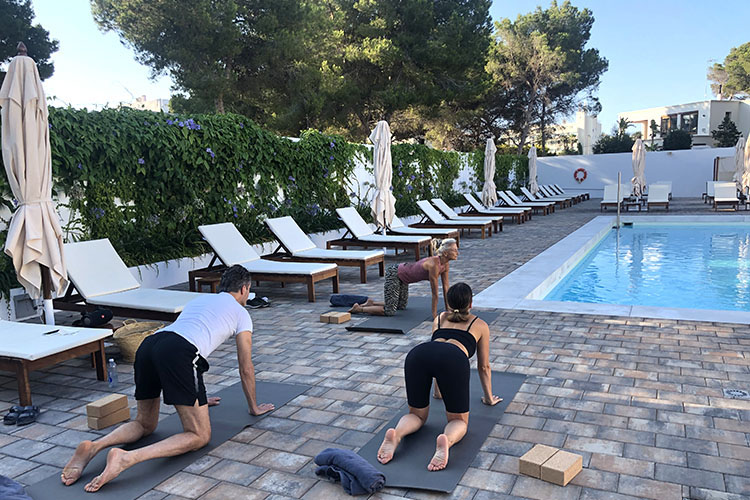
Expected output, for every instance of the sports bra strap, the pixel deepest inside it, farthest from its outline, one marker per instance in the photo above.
(439, 315)
(472, 322)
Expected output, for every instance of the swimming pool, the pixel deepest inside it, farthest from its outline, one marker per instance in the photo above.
(698, 266)
(644, 279)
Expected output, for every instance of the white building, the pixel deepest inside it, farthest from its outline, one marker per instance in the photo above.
(149, 104)
(698, 118)
(585, 127)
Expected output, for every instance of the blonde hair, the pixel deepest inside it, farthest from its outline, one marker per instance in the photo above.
(440, 246)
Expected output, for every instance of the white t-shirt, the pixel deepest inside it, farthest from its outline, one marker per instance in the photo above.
(209, 320)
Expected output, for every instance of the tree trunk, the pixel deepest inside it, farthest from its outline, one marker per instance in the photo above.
(542, 126)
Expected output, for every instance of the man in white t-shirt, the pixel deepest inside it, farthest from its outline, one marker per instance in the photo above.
(173, 361)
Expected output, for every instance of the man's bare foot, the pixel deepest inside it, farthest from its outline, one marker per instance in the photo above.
(440, 458)
(74, 468)
(116, 463)
(385, 453)
(356, 308)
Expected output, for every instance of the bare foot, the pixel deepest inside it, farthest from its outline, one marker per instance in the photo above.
(355, 309)
(369, 302)
(74, 468)
(440, 458)
(116, 463)
(385, 453)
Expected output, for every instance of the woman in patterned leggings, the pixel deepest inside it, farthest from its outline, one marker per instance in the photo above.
(399, 277)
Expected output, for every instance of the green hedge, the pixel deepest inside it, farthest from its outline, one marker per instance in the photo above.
(505, 165)
(147, 180)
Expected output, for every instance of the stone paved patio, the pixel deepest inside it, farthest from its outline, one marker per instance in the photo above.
(641, 400)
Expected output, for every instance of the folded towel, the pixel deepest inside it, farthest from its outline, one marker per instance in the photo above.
(356, 474)
(11, 490)
(346, 300)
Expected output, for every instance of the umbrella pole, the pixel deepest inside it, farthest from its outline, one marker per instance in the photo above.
(619, 179)
(48, 312)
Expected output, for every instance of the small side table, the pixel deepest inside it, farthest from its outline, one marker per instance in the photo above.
(211, 281)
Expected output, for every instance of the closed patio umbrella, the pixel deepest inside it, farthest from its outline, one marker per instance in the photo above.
(383, 204)
(34, 239)
(746, 169)
(739, 162)
(639, 168)
(489, 192)
(533, 183)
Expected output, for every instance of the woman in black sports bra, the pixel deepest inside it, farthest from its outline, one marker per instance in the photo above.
(456, 336)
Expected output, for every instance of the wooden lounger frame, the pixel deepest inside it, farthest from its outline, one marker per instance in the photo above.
(75, 302)
(484, 227)
(454, 233)
(518, 218)
(283, 254)
(213, 270)
(416, 247)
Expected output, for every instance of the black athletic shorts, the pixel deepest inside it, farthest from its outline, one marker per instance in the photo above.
(445, 362)
(168, 362)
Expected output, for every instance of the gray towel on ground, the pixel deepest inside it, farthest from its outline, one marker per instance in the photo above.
(11, 490)
(357, 475)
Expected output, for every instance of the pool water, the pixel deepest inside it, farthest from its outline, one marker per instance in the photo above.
(695, 266)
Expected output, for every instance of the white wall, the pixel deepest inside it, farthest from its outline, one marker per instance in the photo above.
(687, 169)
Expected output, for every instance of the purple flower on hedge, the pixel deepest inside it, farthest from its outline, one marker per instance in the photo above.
(325, 173)
(170, 122)
(412, 177)
(97, 212)
(181, 124)
(242, 125)
(400, 163)
(252, 206)
(80, 167)
(141, 161)
(330, 157)
(209, 151)
(409, 188)
(333, 144)
(292, 179)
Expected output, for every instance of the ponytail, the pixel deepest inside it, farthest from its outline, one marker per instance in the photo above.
(439, 246)
(459, 301)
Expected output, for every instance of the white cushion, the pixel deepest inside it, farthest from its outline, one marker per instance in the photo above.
(150, 299)
(289, 234)
(396, 222)
(391, 238)
(231, 247)
(422, 230)
(95, 268)
(431, 212)
(658, 193)
(322, 253)
(445, 208)
(610, 194)
(281, 267)
(27, 340)
(723, 192)
(356, 224)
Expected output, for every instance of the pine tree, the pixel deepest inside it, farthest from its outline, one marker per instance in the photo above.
(726, 134)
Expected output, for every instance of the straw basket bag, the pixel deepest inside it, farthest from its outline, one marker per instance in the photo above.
(130, 335)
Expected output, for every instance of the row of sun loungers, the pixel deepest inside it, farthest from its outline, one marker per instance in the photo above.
(658, 196)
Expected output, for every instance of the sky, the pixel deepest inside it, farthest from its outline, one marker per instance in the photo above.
(658, 52)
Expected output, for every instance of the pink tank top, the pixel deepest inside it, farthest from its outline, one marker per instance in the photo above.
(412, 272)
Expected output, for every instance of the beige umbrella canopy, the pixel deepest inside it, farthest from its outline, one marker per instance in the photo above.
(383, 204)
(639, 168)
(739, 162)
(746, 169)
(34, 235)
(533, 183)
(489, 192)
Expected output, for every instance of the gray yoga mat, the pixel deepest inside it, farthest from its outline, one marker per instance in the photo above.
(417, 311)
(408, 468)
(227, 419)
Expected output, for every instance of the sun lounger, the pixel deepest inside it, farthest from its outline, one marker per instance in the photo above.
(550, 194)
(508, 198)
(450, 214)
(476, 208)
(610, 196)
(231, 248)
(25, 347)
(669, 186)
(725, 194)
(101, 278)
(362, 235)
(585, 195)
(658, 196)
(295, 245)
(560, 202)
(398, 227)
(433, 218)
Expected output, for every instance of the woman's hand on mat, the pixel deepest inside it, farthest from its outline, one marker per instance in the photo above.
(492, 401)
(261, 409)
(214, 401)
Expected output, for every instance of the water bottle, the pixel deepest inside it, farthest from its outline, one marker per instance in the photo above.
(112, 374)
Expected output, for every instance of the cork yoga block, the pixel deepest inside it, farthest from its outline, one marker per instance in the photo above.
(118, 416)
(531, 463)
(562, 467)
(335, 317)
(106, 405)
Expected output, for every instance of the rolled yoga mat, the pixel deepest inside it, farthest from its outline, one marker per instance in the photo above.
(227, 420)
(417, 311)
(408, 468)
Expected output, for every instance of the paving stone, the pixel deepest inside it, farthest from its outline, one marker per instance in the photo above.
(488, 480)
(652, 454)
(37, 474)
(235, 472)
(594, 445)
(718, 464)
(689, 477)
(25, 448)
(224, 491)
(705, 494)
(281, 460)
(647, 488)
(186, 485)
(530, 487)
(620, 465)
(283, 483)
(240, 452)
(13, 467)
(738, 484)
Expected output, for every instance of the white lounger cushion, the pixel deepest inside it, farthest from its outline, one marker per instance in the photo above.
(150, 299)
(490, 210)
(289, 234)
(322, 253)
(722, 192)
(362, 232)
(393, 238)
(27, 340)
(232, 248)
(452, 215)
(516, 200)
(95, 268)
(397, 226)
(658, 193)
(437, 218)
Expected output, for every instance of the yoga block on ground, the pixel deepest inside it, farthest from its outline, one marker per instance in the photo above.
(118, 416)
(326, 317)
(531, 462)
(107, 405)
(340, 317)
(562, 467)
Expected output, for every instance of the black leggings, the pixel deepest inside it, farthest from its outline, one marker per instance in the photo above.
(445, 362)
